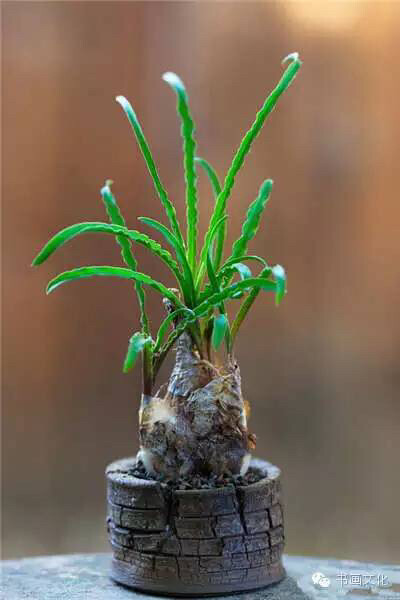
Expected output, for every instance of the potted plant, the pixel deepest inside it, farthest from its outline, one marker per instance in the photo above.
(192, 513)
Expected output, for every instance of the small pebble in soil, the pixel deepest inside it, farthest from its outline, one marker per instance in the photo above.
(198, 482)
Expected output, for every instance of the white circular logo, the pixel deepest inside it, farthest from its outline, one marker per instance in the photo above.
(320, 580)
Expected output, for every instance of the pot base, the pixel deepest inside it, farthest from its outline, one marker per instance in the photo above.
(122, 573)
(195, 542)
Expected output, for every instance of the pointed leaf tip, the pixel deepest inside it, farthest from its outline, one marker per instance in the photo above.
(291, 57)
(136, 345)
(280, 277)
(106, 189)
(266, 186)
(189, 148)
(242, 269)
(175, 81)
(127, 107)
(151, 166)
(278, 271)
(252, 221)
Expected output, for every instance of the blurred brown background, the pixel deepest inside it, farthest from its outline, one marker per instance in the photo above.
(322, 371)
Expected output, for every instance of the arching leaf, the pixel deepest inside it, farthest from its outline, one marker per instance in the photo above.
(242, 269)
(232, 261)
(121, 232)
(70, 232)
(106, 271)
(247, 284)
(226, 271)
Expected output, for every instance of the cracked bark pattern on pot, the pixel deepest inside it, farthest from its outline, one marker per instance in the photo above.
(195, 541)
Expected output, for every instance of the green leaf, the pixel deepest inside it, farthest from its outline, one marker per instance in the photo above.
(247, 142)
(111, 205)
(117, 219)
(280, 277)
(252, 221)
(216, 298)
(167, 322)
(244, 273)
(232, 261)
(216, 187)
(168, 235)
(70, 232)
(189, 146)
(242, 269)
(226, 271)
(188, 291)
(106, 271)
(174, 335)
(136, 346)
(247, 304)
(144, 147)
(115, 216)
(220, 327)
(212, 175)
(211, 273)
(155, 248)
(213, 279)
(216, 228)
(120, 231)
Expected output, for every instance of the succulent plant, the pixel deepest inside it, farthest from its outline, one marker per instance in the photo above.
(199, 424)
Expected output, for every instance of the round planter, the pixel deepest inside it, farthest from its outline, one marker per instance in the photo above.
(194, 542)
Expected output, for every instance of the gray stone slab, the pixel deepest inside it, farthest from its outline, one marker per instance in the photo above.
(85, 577)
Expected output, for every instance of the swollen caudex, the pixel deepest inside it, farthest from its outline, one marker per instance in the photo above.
(200, 424)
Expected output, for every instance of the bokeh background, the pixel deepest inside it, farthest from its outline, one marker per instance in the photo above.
(322, 371)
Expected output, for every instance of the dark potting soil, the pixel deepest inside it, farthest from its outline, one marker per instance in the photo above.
(199, 482)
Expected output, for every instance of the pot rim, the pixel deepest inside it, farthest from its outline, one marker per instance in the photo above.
(117, 471)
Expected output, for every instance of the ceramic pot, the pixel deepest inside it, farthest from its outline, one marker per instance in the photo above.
(194, 542)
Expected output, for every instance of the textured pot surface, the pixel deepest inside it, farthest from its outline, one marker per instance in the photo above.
(194, 542)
